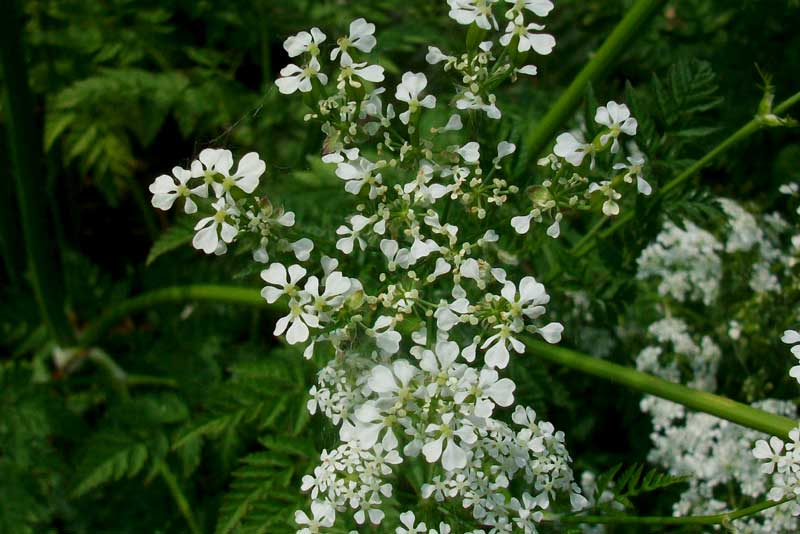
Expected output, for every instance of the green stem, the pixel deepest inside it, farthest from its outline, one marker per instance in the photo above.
(625, 32)
(25, 147)
(586, 239)
(230, 294)
(716, 519)
(697, 400)
(144, 207)
(702, 401)
(177, 494)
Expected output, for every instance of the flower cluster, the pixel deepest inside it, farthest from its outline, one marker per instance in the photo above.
(779, 459)
(714, 451)
(690, 265)
(573, 183)
(419, 342)
(230, 210)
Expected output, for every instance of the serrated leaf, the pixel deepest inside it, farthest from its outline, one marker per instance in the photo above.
(174, 237)
(110, 457)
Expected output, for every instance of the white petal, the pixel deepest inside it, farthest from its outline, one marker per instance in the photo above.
(206, 239)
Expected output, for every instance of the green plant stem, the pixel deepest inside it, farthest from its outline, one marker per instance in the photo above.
(716, 519)
(144, 207)
(696, 400)
(177, 494)
(702, 401)
(230, 294)
(25, 147)
(626, 31)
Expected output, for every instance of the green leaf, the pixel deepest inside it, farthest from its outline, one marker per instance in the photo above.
(175, 237)
(111, 456)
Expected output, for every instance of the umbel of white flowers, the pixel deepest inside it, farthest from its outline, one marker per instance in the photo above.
(435, 395)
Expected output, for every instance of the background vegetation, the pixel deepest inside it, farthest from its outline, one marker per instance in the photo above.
(191, 416)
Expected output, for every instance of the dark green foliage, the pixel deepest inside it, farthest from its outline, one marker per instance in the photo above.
(629, 484)
(126, 89)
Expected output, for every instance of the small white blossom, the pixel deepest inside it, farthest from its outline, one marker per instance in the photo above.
(473, 11)
(294, 78)
(571, 148)
(617, 117)
(213, 232)
(361, 37)
(304, 42)
(322, 516)
(541, 43)
(409, 91)
(166, 191)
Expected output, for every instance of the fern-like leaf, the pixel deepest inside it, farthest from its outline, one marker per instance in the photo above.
(111, 456)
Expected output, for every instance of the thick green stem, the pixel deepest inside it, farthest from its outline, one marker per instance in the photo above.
(178, 496)
(230, 294)
(26, 156)
(696, 400)
(625, 32)
(702, 401)
(717, 519)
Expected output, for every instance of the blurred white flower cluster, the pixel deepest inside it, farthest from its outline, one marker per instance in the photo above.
(690, 265)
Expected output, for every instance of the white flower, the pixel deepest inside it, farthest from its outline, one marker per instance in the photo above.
(247, 175)
(541, 8)
(165, 190)
(530, 299)
(554, 230)
(361, 37)
(409, 525)
(497, 355)
(371, 73)
(571, 148)
(444, 436)
(551, 332)
(633, 169)
(469, 100)
(419, 185)
(504, 149)
(294, 78)
(470, 152)
(276, 275)
(336, 286)
(435, 56)
(302, 248)
(352, 235)
(440, 364)
(454, 124)
(395, 256)
(490, 391)
(522, 223)
(446, 313)
(409, 90)
(617, 117)
(323, 516)
(304, 42)
(357, 174)
(386, 337)
(528, 70)
(210, 229)
(772, 452)
(792, 337)
(541, 43)
(478, 11)
(392, 383)
(297, 321)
